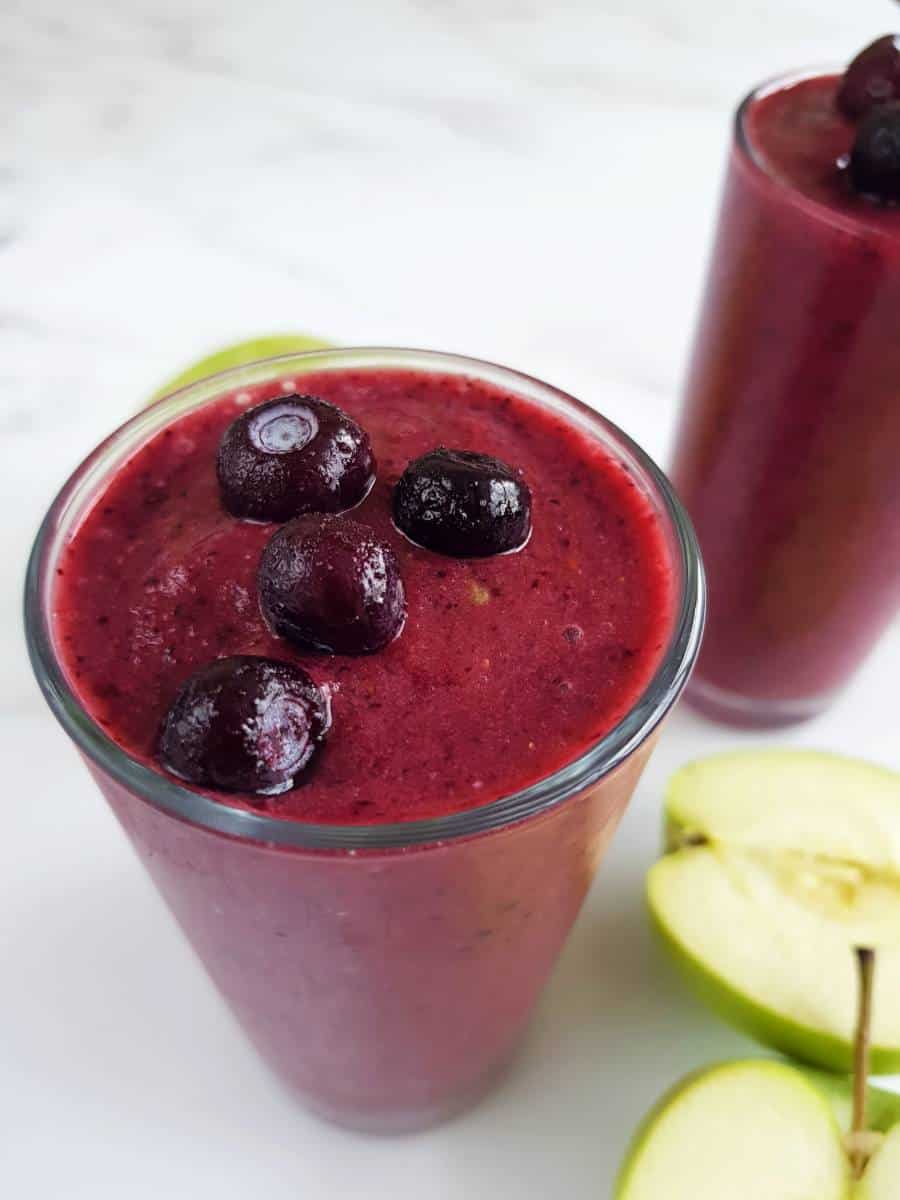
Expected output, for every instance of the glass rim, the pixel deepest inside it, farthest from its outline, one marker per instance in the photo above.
(178, 800)
(848, 222)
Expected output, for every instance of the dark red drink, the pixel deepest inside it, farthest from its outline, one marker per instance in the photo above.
(789, 444)
(381, 930)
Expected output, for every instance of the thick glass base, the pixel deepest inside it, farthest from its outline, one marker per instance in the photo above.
(395, 1123)
(748, 712)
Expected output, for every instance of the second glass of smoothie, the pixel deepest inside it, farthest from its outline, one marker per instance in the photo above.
(788, 447)
(383, 930)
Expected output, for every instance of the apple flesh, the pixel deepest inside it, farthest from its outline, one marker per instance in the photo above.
(743, 1130)
(755, 1130)
(778, 864)
(882, 1177)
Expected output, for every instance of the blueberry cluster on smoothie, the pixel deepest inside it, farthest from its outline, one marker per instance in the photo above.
(836, 138)
(373, 595)
(870, 93)
(325, 582)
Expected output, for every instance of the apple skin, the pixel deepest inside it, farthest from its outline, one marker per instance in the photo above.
(765, 1025)
(266, 346)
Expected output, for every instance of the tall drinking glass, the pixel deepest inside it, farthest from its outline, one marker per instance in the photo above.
(787, 455)
(385, 971)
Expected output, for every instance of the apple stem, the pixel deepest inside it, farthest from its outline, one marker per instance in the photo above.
(865, 962)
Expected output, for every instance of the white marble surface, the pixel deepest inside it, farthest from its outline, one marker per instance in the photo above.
(527, 182)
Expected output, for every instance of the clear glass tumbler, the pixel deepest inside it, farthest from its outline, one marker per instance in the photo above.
(789, 441)
(386, 972)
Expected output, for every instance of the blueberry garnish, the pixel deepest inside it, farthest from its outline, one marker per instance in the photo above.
(329, 583)
(462, 503)
(293, 455)
(244, 724)
(875, 157)
(872, 78)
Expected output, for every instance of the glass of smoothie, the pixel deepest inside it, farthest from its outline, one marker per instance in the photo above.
(371, 756)
(788, 449)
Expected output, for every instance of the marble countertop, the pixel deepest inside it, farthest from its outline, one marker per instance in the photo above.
(524, 182)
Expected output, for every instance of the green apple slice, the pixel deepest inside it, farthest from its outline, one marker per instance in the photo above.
(738, 1131)
(238, 355)
(779, 863)
(755, 1130)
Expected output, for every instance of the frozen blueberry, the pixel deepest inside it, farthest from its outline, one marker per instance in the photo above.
(329, 583)
(293, 455)
(244, 724)
(875, 158)
(462, 503)
(872, 78)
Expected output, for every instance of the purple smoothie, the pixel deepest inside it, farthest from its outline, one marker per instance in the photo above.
(551, 645)
(382, 930)
(790, 437)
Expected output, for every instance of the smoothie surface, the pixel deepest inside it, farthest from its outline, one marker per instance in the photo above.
(507, 668)
(798, 134)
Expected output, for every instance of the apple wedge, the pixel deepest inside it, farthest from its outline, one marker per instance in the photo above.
(237, 355)
(763, 1130)
(754, 1130)
(742, 1130)
(778, 864)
